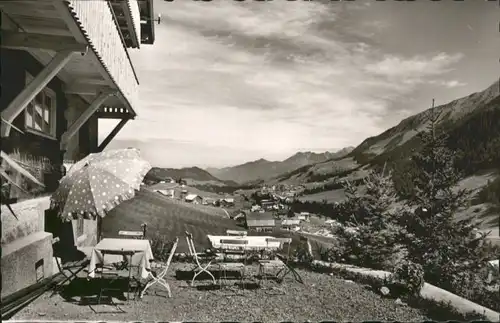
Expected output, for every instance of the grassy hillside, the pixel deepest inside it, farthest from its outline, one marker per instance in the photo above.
(166, 217)
(171, 218)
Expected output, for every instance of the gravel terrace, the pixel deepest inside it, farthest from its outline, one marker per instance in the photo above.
(322, 297)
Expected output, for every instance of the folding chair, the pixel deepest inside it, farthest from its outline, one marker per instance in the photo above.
(277, 261)
(233, 247)
(156, 277)
(240, 233)
(134, 234)
(285, 258)
(196, 257)
(131, 234)
(70, 264)
(112, 274)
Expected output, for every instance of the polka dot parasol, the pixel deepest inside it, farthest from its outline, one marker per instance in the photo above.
(98, 183)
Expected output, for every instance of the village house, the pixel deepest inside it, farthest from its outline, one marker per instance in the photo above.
(267, 205)
(304, 216)
(193, 198)
(164, 188)
(167, 193)
(65, 65)
(239, 214)
(208, 201)
(291, 224)
(255, 208)
(260, 222)
(227, 202)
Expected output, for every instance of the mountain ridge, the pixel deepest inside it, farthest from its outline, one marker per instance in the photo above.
(262, 169)
(192, 175)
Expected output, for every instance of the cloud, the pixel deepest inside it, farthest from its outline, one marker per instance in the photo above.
(418, 66)
(268, 78)
(451, 84)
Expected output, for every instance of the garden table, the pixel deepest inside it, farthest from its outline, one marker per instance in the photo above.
(141, 255)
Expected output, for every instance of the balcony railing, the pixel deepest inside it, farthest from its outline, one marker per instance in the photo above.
(95, 19)
(136, 17)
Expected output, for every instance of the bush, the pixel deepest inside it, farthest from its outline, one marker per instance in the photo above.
(407, 278)
(161, 246)
(491, 193)
(301, 253)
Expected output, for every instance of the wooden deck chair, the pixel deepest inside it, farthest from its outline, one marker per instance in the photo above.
(198, 259)
(69, 264)
(157, 277)
(233, 247)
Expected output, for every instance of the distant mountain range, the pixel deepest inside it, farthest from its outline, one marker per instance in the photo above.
(472, 122)
(263, 169)
(192, 176)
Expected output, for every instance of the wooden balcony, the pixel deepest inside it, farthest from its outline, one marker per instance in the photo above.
(96, 20)
(127, 17)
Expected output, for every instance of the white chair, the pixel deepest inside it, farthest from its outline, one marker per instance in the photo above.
(279, 261)
(233, 247)
(195, 256)
(236, 233)
(156, 277)
(131, 234)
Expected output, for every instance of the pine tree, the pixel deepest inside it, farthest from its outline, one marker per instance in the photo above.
(375, 240)
(448, 249)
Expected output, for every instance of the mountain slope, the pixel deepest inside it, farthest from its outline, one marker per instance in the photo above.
(451, 114)
(193, 176)
(472, 122)
(472, 125)
(265, 169)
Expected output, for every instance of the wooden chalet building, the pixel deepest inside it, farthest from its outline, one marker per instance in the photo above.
(65, 65)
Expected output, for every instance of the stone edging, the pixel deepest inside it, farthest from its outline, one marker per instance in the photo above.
(429, 292)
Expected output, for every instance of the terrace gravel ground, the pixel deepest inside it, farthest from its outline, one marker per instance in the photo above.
(322, 297)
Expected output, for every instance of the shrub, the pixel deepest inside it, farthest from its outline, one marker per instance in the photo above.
(301, 254)
(407, 278)
(161, 246)
(372, 235)
(491, 193)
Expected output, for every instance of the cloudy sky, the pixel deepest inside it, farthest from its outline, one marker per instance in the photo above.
(228, 82)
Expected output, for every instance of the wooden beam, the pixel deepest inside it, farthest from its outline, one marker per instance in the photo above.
(33, 88)
(65, 15)
(89, 81)
(112, 134)
(84, 117)
(28, 11)
(20, 40)
(12, 163)
(85, 89)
